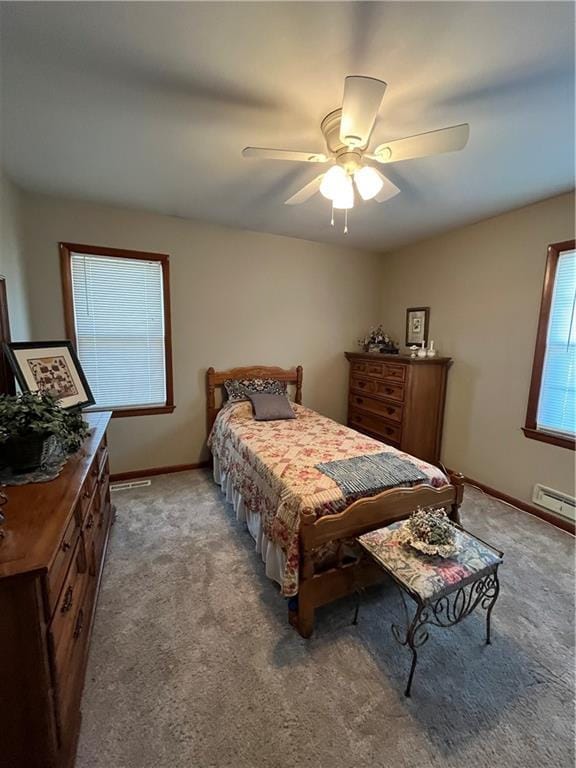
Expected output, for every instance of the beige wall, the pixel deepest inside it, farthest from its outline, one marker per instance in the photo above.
(238, 298)
(483, 284)
(12, 259)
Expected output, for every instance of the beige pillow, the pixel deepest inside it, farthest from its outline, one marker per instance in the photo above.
(269, 407)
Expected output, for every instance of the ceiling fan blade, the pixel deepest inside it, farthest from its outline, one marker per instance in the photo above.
(388, 191)
(423, 144)
(284, 154)
(306, 192)
(360, 105)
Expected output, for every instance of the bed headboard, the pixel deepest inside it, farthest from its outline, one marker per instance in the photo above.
(217, 378)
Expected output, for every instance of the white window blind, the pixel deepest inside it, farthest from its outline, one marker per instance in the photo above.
(119, 320)
(557, 403)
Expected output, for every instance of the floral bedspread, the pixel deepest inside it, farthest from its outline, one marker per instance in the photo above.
(272, 465)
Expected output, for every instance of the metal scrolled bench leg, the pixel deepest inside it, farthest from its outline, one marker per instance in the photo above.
(415, 636)
(447, 611)
(490, 606)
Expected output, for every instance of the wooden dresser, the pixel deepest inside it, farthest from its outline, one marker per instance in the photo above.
(399, 400)
(51, 559)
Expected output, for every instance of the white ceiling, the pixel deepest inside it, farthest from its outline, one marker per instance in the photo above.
(149, 105)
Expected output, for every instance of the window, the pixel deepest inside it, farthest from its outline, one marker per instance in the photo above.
(551, 414)
(117, 313)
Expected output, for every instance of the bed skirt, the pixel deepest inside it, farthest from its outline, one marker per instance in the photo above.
(273, 557)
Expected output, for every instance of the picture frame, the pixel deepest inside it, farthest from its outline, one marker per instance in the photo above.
(50, 366)
(417, 322)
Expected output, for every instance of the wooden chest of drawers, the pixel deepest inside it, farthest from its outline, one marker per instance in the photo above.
(399, 400)
(51, 558)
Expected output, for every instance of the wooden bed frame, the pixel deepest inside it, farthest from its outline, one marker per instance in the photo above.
(363, 515)
(217, 378)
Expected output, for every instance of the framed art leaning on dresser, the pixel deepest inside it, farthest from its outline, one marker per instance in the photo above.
(50, 366)
(399, 400)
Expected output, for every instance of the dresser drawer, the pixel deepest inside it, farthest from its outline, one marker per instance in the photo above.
(364, 421)
(380, 368)
(390, 411)
(89, 487)
(359, 366)
(104, 478)
(362, 384)
(102, 453)
(389, 390)
(92, 524)
(62, 560)
(71, 659)
(62, 625)
(385, 370)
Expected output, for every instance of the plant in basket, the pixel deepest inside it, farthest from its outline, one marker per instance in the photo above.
(30, 423)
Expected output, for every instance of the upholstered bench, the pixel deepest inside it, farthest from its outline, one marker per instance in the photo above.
(445, 590)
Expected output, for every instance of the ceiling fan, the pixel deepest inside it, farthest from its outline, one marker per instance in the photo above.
(347, 134)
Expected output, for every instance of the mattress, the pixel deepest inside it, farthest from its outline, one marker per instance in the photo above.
(268, 471)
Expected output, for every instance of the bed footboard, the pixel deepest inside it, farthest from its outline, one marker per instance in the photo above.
(362, 516)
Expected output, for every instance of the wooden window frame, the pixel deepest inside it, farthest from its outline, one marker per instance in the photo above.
(530, 428)
(66, 250)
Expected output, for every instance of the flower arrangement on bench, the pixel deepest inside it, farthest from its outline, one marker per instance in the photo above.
(429, 531)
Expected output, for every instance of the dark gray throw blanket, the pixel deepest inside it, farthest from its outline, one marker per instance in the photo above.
(367, 475)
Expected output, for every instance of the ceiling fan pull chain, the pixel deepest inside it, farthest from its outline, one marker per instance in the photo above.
(346, 221)
(332, 219)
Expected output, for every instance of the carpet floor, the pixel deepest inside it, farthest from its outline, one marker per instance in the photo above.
(193, 663)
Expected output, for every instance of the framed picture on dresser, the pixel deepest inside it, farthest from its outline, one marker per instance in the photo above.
(50, 366)
(417, 321)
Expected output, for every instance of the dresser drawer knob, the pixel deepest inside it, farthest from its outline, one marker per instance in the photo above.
(67, 604)
(90, 523)
(66, 546)
(390, 411)
(359, 400)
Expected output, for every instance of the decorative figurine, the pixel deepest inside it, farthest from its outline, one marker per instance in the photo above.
(422, 350)
(413, 350)
(431, 351)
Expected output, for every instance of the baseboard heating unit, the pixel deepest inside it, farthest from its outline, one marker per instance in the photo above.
(130, 484)
(555, 501)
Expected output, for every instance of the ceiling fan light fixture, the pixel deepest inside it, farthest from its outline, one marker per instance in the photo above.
(344, 199)
(368, 182)
(334, 183)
